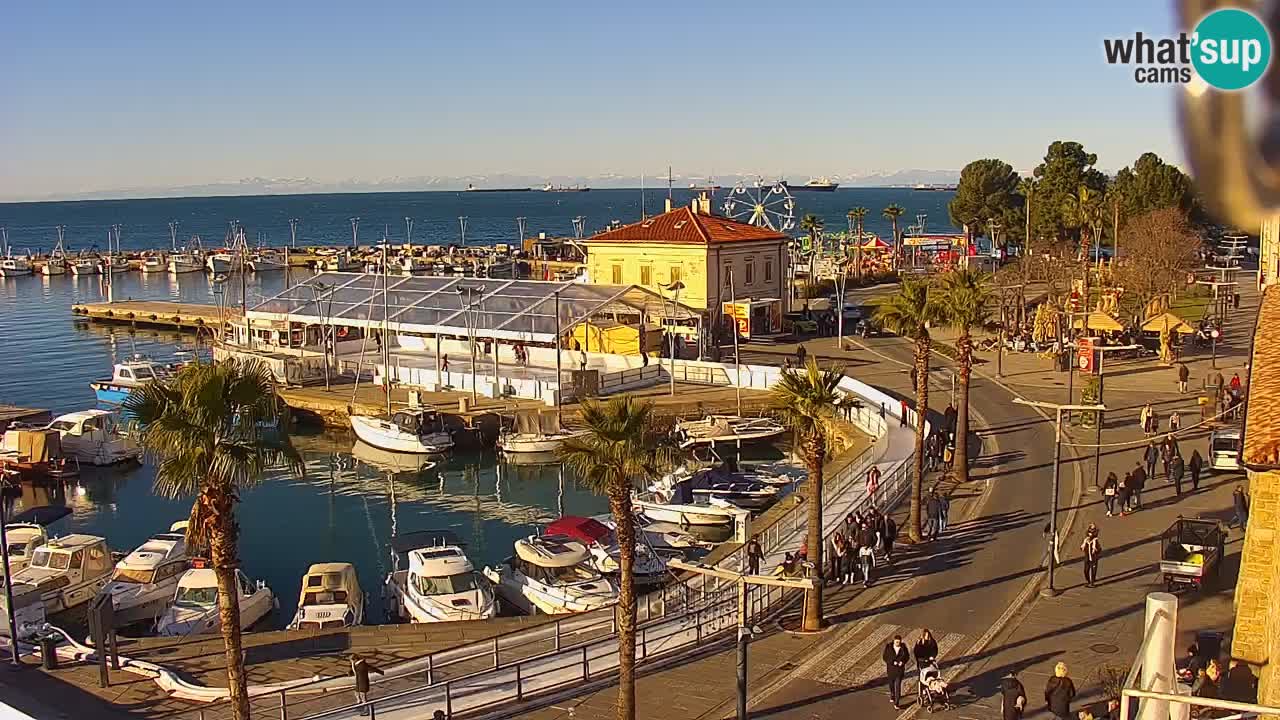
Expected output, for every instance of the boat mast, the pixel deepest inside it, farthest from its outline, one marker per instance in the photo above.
(60, 251)
(173, 235)
(737, 358)
(386, 340)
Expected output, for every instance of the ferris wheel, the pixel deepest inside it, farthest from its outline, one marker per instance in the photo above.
(762, 204)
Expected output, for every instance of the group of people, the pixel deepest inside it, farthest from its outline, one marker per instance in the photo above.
(937, 509)
(1208, 679)
(896, 657)
(853, 548)
(1149, 420)
(1124, 497)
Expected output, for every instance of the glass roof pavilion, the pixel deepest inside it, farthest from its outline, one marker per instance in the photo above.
(501, 309)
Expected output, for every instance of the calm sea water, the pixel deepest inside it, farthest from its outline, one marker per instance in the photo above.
(343, 509)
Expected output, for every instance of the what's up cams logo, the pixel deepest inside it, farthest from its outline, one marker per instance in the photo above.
(1230, 49)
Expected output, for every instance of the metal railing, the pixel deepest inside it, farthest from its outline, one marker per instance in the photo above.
(614, 381)
(577, 648)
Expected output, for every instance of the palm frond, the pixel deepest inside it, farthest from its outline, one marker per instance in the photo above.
(966, 298)
(809, 399)
(625, 442)
(911, 311)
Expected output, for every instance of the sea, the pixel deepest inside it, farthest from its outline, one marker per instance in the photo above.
(346, 507)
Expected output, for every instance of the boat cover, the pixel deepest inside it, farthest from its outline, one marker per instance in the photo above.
(580, 528)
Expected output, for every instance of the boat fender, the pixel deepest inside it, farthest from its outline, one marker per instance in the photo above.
(342, 332)
(153, 316)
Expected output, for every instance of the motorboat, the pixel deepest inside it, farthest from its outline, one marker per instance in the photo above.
(746, 495)
(27, 531)
(602, 542)
(666, 539)
(195, 604)
(221, 263)
(330, 598)
(116, 264)
(266, 261)
(340, 261)
(68, 571)
(86, 265)
(56, 263)
(715, 429)
(440, 584)
(144, 582)
(676, 503)
(553, 575)
(185, 262)
(94, 437)
(125, 378)
(535, 433)
(408, 431)
(154, 263)
(13, 265)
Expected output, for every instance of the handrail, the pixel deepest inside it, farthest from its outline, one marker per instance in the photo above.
(1248, 708)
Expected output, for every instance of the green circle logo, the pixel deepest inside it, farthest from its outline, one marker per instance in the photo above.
(1232, 49)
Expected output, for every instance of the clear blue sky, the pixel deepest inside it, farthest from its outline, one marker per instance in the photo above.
(101, 95)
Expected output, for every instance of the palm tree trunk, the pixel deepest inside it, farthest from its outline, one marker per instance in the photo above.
(960, 461)
(815, 455)
(922, 409)
(620, 506)
(222, 551)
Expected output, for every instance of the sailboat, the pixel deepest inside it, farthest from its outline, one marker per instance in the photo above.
(57, 262)
(11, 266)
(535, 433)
(115, 262)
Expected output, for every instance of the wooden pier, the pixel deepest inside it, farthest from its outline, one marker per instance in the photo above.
(10, 414)
(157, 313)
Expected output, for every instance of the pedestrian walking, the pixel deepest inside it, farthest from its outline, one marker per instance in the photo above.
(444, 364)
(873, 482)
(360, 669)
(1183, 376)
(1109, 491)
(1124, 495)
(1240, 502)
(945, 509)
(1144, 418)
(1151, 455)
(867, 552)
(1166, 457)
(890, 534)
(925, 650)
(895, 667)
(902, 414)
(1013, 697)
(1236, 385)
(949, 418)
(846, 561)
(1176, 470)
(755, 554)
(1194, 466)
(1139, 484)
(1175, 422)
(834, 556)
(1092, 550)
(933, 511)
(1059, 692)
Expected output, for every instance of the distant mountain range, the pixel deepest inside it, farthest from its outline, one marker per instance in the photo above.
(292, 186)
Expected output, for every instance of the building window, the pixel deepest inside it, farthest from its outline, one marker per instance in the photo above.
(750, 273)
(768, 271)
(646, 275)
(617, 274)
(674, 274)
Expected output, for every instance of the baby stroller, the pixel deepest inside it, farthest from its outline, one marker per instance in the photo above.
(933, 691)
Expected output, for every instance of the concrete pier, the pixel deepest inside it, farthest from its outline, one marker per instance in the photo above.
(157, 313)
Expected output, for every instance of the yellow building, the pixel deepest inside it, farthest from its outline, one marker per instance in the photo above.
(697, 248)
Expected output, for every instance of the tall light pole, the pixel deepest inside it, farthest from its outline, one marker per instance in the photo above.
(468, 314)
(462, 225)
(1097, 438)
(675, 289)
(293, 232)
(318, 290)
(1057, 408)
(355, 230)
(173, 235)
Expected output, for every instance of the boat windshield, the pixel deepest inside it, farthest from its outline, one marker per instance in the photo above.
(142, 372)
(196, 597)
(572, 574)
(133, 575)
(54, 560)
(447, 585)
(62, 425)
(17, 549)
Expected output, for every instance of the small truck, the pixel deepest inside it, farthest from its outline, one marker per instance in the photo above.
(1191, 552)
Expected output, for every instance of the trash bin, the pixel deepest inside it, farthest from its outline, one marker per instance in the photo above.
(49, 652)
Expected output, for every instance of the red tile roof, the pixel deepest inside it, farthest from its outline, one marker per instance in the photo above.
(1262, 423)
(682, 226)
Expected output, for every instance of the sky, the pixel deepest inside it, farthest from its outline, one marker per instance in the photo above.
(102, 96)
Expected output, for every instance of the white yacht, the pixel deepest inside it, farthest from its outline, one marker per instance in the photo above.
(330, 598)
(551, 575)
(185, 262)
(27, 531)
(195, 604)
(86, 265)
(144, 582)
(67, 571)
(440, 584)
(672, 501)
(715, 429)
(602, 543)
(94, 437)
(154, 263)
(266, 261)
(415, 430)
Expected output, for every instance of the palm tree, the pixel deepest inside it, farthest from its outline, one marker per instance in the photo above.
(809, 400)
(966, 299)
(909, 313)
(859, 215)
(892, 213)
(207, 430)
(1084, 211)
(624, 442)
(812, 224)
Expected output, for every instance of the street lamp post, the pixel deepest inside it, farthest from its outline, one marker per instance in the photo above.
(1052, 590)
(468, 315)
(675, 289)
(1097, 442)
(1213, 339)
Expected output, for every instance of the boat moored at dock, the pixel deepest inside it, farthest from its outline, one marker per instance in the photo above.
(94, 437)
(408, 431)
(552, 575)
(67, 571)
(440, 584)
(125, 378)
(195, 604)
(330, 598)
(144, 581)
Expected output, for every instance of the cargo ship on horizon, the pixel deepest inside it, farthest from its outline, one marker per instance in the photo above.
(819, 185)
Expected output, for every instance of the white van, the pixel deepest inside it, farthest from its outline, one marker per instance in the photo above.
(1224, 449)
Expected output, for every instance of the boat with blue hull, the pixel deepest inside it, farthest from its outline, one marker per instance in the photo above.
(125, 377)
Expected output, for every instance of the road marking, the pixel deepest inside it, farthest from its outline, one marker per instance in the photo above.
(854, 658)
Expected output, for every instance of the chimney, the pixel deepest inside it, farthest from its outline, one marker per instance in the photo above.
(704, 203)
(668, 205)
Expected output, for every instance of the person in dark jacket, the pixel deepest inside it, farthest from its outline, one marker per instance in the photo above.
(895, 658)
(868, 541)
(890, 534)
(1110, 489)
(925, 650)
(754, 555)
(1240, 684)
(1139, 482)
(1194, 466)
(1240, 502)
(1059, 692)
(1176, 470)
(1183, 376)
(360, 669)
(1124, 495)
(1150, 456)
(1013, 697)
(933, 511)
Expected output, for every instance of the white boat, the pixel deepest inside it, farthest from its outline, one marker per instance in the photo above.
(686, 514)
(553, 576)
(221, 263)
(154, 263)
(330, 598)
(116, 265)
(602, 543)
(56, 264)
(86, 265)
(13, 265)
(340, 261)
(440, 584)
(266, 261)
(67, 571)
(535, 433)
(715, 429)
(27, 531)
(408, 431)
(127, 376)
(185, 262)
(144, 582)
(195, 604)
(94, 437)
